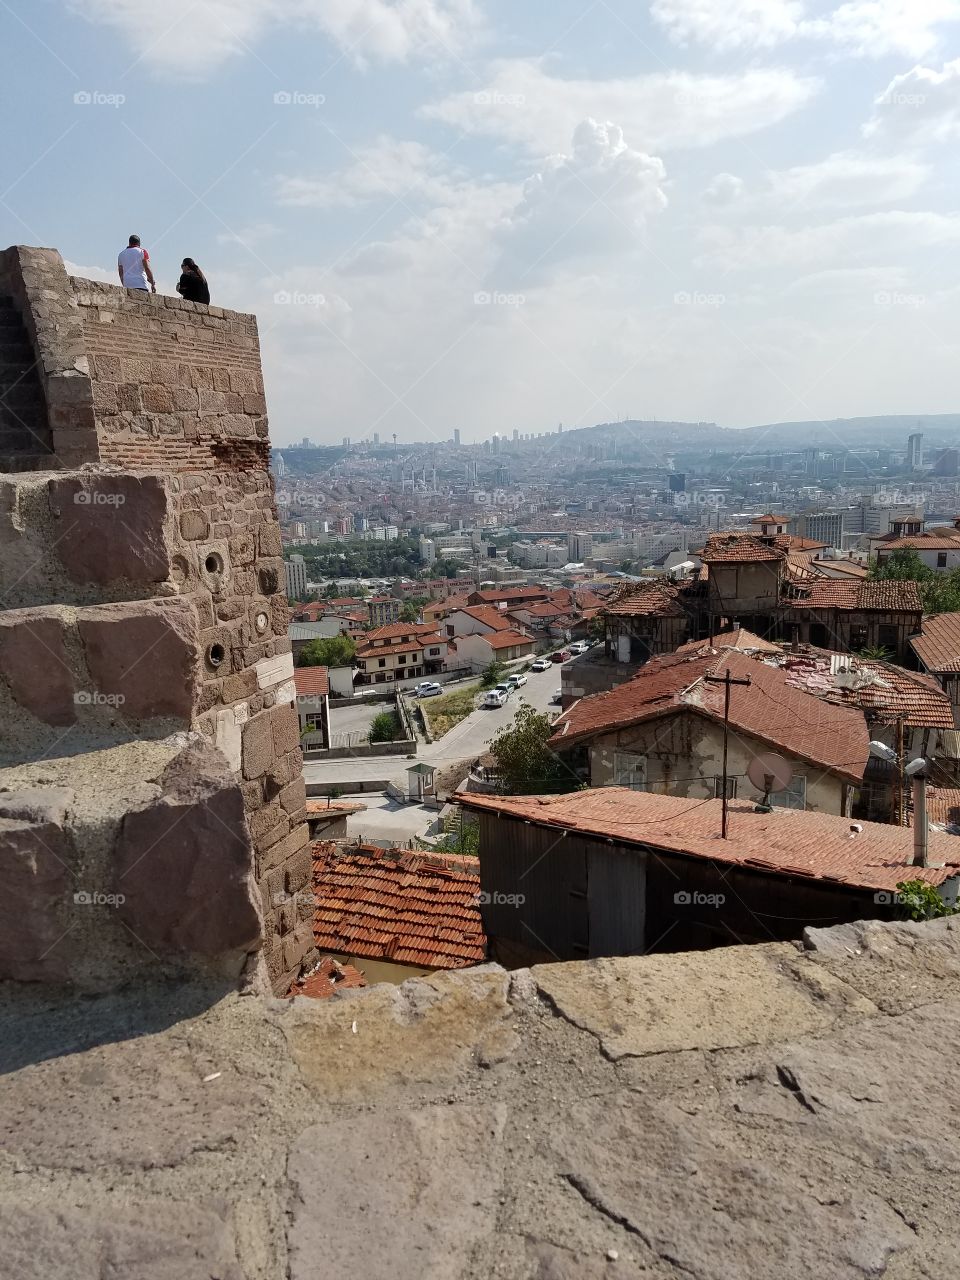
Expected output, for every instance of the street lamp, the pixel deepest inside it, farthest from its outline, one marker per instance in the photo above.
(916, 770)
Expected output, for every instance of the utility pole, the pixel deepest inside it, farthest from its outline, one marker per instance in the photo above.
(726, 680)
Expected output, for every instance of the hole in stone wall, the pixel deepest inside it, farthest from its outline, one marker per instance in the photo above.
(269, 581)
(215, 655)
(213, 563)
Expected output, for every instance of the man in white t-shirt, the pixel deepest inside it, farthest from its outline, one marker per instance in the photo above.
(133, 263)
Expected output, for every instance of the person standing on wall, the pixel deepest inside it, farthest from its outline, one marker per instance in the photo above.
(192, 285)
(133, 263)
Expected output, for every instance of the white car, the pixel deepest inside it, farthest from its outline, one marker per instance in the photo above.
(579, 646)
(541, 664)
(557, 695)
(517, 680)
(428, 689)
(495, 698)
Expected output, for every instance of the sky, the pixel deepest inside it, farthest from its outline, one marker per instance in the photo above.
(491, 215)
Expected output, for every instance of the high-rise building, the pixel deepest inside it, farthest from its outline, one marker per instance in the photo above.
(915, 451)
(376, 439)
(295, 570)
(279, 466)
(677, 482)
(579, 547)
(456, 436)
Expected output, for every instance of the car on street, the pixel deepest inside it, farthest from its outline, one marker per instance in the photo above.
(579, 646)
(541, 664)
(561, 655)
(557, 695)
(494, 698)
(517, 680)
(505, 688)
(427, 689)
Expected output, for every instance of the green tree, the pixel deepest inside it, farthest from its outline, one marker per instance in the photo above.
(939, 592)
(327, 651)
(466, 840)
(409, 612)
(492, 674)
(385, 727)
(922, 901)
(525, 762)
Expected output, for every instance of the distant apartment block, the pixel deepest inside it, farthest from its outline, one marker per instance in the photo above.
(296, 573)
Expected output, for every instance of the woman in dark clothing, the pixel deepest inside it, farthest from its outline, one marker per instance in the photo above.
(193, 283)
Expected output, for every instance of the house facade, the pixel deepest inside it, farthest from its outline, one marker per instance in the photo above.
(478, 651)
(399, 651)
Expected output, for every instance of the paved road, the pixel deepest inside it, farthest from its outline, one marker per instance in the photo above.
(469, 738)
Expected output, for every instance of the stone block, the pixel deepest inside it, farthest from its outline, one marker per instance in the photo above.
(270, 544)
(286, 729)
(145, 655)
(294, 796)
(184, 863)
(194, 526)
(111, 527)
(258, 750)
(35, 860)
(33, 662)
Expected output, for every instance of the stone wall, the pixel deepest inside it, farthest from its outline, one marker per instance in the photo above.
(145, 594)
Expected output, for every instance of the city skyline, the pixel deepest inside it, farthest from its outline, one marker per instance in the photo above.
(455, 215)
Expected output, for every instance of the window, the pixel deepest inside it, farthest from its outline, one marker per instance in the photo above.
(718, 787)
(888, 637)
(401, 660)
(313, 722)
(792, 797)
(941, 559)
(629, 770)
(434, 653)
(858, 637)
(381, 662)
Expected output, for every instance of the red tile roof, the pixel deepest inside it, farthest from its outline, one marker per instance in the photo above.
(771, 519)
(884, 691)
(511, 595)
(311, 682)
(943, 806)
(738, 638)
(785, 842)
(393, 630)
(329, 977)
(721, 548)
(645, 598)
(382, 650)
(404, 906)
(486, 614)
(887, 597)
(321, 805)
(920, 542)
(507, 639)
(938, 645)
(769, 709)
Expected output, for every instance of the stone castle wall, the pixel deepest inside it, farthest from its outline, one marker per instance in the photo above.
(145, 605)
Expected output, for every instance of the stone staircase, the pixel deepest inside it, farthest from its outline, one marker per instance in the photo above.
(25, 439)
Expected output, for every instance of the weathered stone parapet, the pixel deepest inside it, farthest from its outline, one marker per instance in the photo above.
(132, 860)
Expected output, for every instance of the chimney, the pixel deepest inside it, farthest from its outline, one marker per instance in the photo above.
(921, 853)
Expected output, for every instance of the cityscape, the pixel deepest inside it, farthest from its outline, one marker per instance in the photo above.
(479, 640)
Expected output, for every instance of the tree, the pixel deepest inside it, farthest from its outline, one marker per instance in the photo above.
(466, 840)
(385, 727)
(492, 674)
(939, 592)
(327, 651)
(525, 762)
(922, 901)
(409, 612)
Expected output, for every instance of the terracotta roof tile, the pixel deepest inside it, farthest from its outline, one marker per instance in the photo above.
(329, 977)
(738, 638)
(487, 614)
(770, 709)
(889, 597)
(938, 645)
(882, 690)
(786, 841)
(506, 639)
(721, 548)
(409, 906)
(311, 682)
(645, 598)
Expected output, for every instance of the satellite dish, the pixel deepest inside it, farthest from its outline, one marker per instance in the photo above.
(769, 772)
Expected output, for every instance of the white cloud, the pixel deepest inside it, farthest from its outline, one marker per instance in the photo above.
(728, 24)
(725, 188)
(589, 203)
(922, 106)
(524, 105)
(854, 238)
(859, 28)
(387, 169)
(92, 273)
(193, 37)
(846, 180)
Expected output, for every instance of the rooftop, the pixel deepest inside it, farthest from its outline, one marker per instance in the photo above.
(311, 681)
(328, 977)
(888, 597)
(507, 639)
(408, 907)
(772, 709)
(938, 645)
(721, 548)
(786, 841)
(488, 615)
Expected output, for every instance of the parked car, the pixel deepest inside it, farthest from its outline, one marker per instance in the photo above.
(505, 688)
(517, 680)
(579, 646)
(557, 695)
(541, 664)
(494, 698)
(427, 689)
(561, 655)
